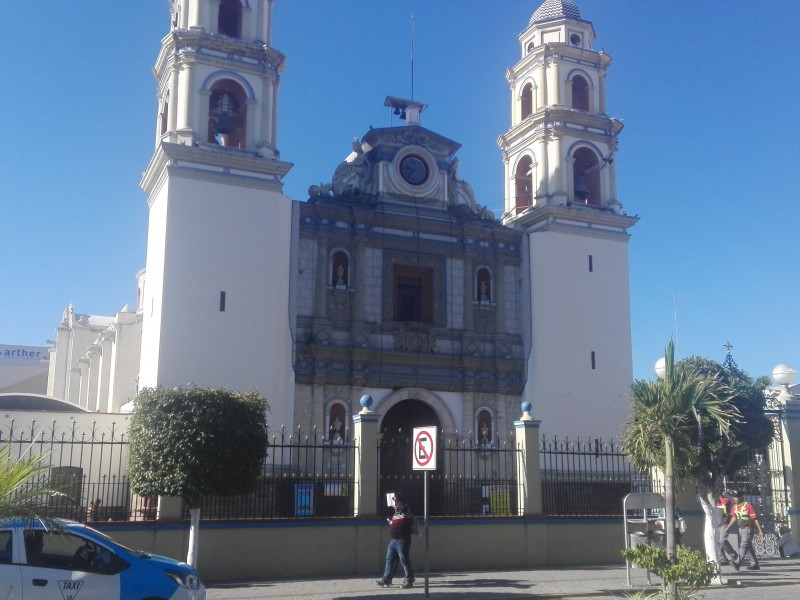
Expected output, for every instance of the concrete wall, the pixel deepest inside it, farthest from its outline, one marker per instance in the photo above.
(281, 550)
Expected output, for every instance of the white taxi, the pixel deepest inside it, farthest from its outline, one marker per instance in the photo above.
(71, 561)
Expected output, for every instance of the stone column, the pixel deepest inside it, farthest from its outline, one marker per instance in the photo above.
(365, 477)
(185, 103)
(790, 430)
(529, 476)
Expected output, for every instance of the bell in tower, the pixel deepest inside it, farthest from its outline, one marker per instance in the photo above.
(581, 191)
(219, 229)
(561, 140)
(218, 76)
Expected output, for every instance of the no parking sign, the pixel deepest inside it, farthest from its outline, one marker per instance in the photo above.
(424, 451)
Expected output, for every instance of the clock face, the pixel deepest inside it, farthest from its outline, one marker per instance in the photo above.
(414, 170)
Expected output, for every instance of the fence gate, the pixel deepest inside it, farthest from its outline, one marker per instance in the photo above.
(763, 483)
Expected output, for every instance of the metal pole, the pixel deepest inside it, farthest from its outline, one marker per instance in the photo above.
(426, 533)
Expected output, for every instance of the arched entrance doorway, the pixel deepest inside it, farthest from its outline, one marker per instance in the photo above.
(395, 467)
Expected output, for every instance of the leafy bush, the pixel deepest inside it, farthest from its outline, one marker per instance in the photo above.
(690, 567)
(196, 441)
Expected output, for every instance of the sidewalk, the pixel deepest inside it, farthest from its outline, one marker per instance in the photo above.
(777, 580)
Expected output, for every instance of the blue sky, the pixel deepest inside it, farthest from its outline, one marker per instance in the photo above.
(708, 93)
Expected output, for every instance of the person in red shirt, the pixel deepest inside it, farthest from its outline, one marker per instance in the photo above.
(401, 526)
(744, 515)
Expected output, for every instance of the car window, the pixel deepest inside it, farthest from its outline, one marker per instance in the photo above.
(63, 550)
(6, 540)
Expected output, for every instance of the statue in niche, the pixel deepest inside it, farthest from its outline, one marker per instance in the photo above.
(340, 276)
(484, 295)
(336, 430)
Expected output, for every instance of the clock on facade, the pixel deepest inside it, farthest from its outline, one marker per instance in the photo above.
(414, 169)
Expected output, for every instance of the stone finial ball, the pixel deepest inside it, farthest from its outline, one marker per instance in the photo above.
(526, 406)
(784, 374)
(366, 401)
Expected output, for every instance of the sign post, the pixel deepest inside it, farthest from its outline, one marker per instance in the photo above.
(424, 459)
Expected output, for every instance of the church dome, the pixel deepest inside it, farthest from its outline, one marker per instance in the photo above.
(554, 9)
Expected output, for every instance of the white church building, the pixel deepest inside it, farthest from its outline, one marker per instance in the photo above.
(392, 280)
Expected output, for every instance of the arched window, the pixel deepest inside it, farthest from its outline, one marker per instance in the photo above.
(340, 270)
(530, 47)
(337, 422)
(229, 19)
(526, 102)
(586, 177)
(523, 185)
(483, 286)
(484, 425)
(580, 93)
(227, 114)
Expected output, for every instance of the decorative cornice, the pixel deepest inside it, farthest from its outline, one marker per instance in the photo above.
(594, 221)
(212, 162)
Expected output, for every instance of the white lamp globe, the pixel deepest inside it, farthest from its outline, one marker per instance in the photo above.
(784, 374)
(661, 367)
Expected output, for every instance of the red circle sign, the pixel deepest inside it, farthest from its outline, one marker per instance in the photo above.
(423, 454)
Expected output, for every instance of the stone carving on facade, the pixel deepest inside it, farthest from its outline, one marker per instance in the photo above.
(483, 318)
(338, 305)
(461, 196)
(337, 392)
(352, 178)
(68, 313)
(323, 190)
(414, 341)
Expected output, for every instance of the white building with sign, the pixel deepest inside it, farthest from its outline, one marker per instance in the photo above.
(23, 369)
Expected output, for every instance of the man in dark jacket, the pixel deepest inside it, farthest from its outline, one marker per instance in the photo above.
(400, 526)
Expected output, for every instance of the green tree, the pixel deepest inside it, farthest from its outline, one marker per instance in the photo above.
(723, 456)
(193, 442)
(719, 455)
(24, 490)
(667, 415)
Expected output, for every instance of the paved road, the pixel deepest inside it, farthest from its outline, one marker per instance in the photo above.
(777, 580)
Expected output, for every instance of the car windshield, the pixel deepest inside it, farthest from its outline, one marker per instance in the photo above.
(106, 538)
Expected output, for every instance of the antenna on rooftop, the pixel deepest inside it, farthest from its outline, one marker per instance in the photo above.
(412, 57)
(675, 297)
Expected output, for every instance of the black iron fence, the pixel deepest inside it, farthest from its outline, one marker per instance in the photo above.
(311, 475)
(471, 478)
(480, 478)
(587, 478)
(89, 467)
(306, 475)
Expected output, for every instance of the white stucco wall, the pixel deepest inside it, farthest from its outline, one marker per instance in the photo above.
(576, 312)
(222, 238)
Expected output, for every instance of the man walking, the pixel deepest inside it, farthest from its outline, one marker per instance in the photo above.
(400, 526)
(746, 517)
(722, 515)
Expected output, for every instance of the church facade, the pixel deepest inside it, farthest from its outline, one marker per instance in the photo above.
(391, 280)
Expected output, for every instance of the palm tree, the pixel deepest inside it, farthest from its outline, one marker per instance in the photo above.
(666, 431)
(24, 493)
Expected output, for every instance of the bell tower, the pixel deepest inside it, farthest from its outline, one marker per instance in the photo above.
(561, 191)
(215, 296)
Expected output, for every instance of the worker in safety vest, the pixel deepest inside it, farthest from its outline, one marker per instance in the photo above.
(744, 515)
(725, 552)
